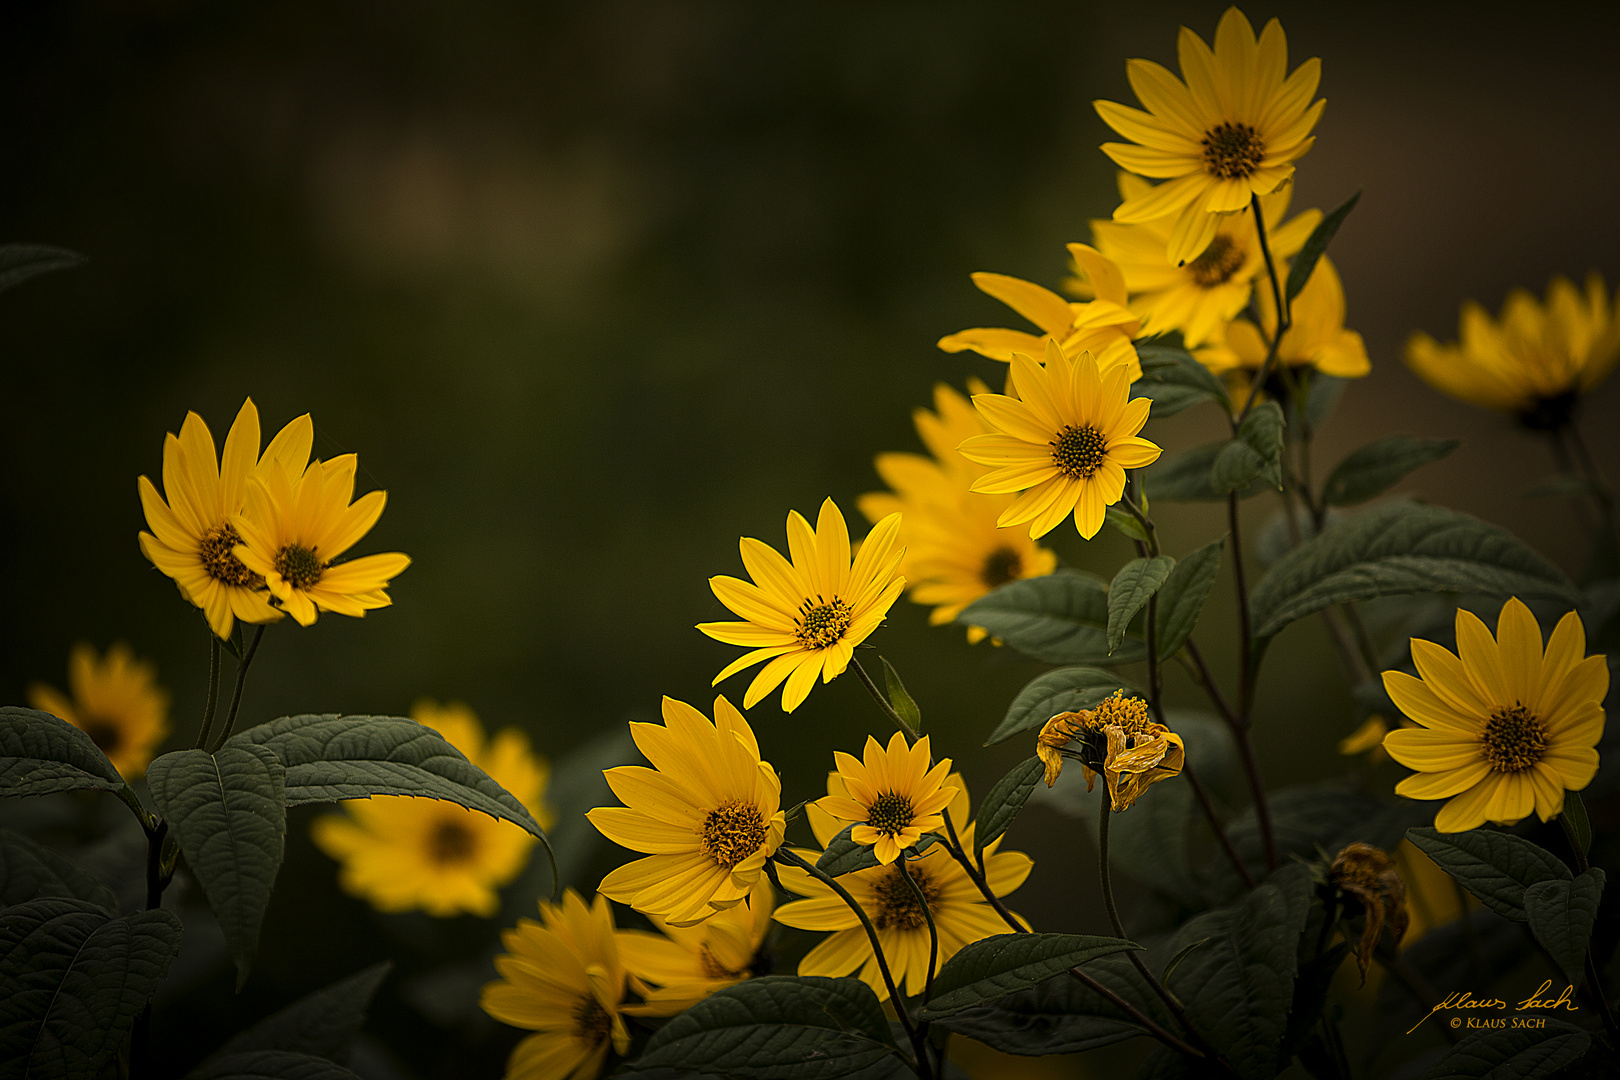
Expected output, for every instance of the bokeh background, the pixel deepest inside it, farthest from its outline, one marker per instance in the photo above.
(595, 289)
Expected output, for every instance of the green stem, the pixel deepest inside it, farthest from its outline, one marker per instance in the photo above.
(1284, 315)
(1594, 979)
(883, 702)
(1257, 791)
(1137, 1015)
(241, 680)
(933, 932)
(213, 690)
(977, 876)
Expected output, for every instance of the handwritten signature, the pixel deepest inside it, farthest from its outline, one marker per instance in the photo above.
(1464, 999)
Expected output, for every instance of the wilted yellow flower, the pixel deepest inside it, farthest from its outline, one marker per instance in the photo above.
(685, 964)
(404, 854)
(1370, 876)
(1504, 728)
(1232, 131)
(894, 795)
(1117, 740)
(1315, 338)
(116, 701)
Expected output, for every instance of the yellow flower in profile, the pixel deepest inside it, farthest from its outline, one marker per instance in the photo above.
(961, 915)
(1503, 728)
(116, 701)
(955, 553)
(193, 537)
(1232, 131)
(1065, 441)
(707, 814)
(296, 526)
(895, 794)
(806, 616)
(1119, 741)
(405, 854)
(1531, 361)
(685, 964)
(1198, 297)
(563, 979)
(1315, 339)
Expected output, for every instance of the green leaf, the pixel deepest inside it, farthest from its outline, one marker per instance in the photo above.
(1060, 618)
(845, 856)
(1001, 806)
(1182, 597)
(899, 699)
(1174, 379)
(1380, 465)
(228, 812)
(1255, 454)
(1316, 245)
(19, 262)
(323, 1023)
(1130, 591)
(40, 754)
(1497, 867)
(1574, 813)
(1399, 549)
(1175, 961)
(994, 967)
(269, 1065)
(1562, 914)
(1186, 477)
(1321, 397)
(1062, 1016)
(1126, 523)
(1303, 819)
(72, 980)
(29, 871)
(1067, 689)
(1513, 1054)
(775, 1028)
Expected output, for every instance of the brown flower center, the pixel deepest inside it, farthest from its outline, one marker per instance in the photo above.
(216, 553)
(1001, 566)
(1078, 452)
(823, 624)
(106, 733)
(299, 566)
(890, 813)
(451, 843)
(1233, 151)
(1514, 739)
(897, 906)
(732, 832)
(1218, 263)
(591, 1021)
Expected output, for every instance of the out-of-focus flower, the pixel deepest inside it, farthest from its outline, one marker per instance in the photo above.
(116, 701)
(1315, 339)
(685, 964)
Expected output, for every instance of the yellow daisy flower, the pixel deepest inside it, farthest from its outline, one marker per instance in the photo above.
(563, 979)
(116, 701)
(193, 537)
(1065, 441)
(1531, 361)
(685, 964)
(954, 551)
(707, 814)
(1117, 740)
(807, 616)
(1503, 728)
(961, 915)
(296, 526)
(894, 795)
(1316, 337)
(404, 854)
(1198, 297)
(1232, 131)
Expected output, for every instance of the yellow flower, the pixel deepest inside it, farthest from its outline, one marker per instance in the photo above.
(894, 796)
(1433, 897)
(707, 814)
(563, 979)
(1534, 359)
(1232, 131)
(1200, 296)
(1117, 740)
(807, 616)
(1065, 441)
(686, 964)
(296, 526)
(954, 551)
(193, 537)
(961, 915)
(1316, 337)
(1103, 327)
(403, 854)
(116, 701)
(1503, 729)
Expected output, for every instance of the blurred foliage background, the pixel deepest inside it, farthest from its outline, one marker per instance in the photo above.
(595, 289)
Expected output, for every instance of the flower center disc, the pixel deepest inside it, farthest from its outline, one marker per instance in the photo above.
(108, 735)
(890, 813)
(218, 561)
(1218, 263)
(1078, 452)
(451, 843)
(822, 625)
(299, 566)
(897, 906)
(1001, 566)
(1514, 740)
(592, 1021)
(732, 832)
(713, 968)
(1233, 151)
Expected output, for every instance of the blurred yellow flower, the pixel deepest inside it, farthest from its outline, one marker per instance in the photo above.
(296, 526)
(685, 964)
(116, 701)
(707, 815)
(894, 795)
(194, 536)
(404, 854)
(563, 979)
(1503, 728)
(1316, 337)
(807, 616)
(1119, 741)
(1232, 131)
(1065, 441)
(1531, 361)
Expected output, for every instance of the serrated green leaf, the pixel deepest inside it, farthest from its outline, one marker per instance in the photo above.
(269, 1065)
(775, 1028)
(1497, 867)
(845, 856)
(1562, 914)
(72, 980)
(1125, 523)
(1182, 597)
(1316, 245)
(29, 871)
(1063, 1016)
(1254, 454)
(1380, 465)
(1060, 618)
(1174, 379)
(1001, 806)
(994, 967)
(1067, 689)
(1400, 549)
(1513, 1054)
(40, 754)
(1130, 591)
(1574, 813)
(323, 1023)
(228, 812)
(19, 262)
(898, 697)
(1185, 477)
